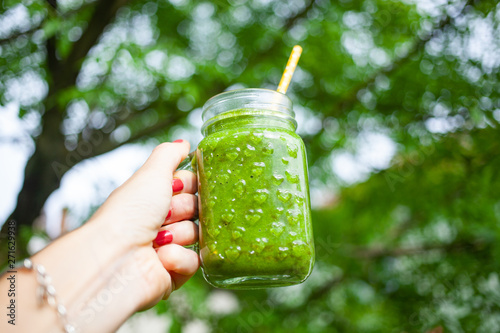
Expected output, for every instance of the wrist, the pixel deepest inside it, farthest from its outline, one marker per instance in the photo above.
(95, 277)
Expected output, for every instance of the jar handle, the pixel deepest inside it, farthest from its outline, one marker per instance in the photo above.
(189, 163)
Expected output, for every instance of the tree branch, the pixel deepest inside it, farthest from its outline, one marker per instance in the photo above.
(294, 19)
(44, 21)
(256, 57)
(20, 34)
(350, 98)
(104, 13)
(163, 124)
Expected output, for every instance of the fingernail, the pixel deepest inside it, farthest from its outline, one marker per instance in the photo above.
(166, 218)
(177, 185)
(164, 237)
(178, 140)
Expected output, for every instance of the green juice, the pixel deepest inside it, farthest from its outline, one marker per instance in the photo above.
(255, 222)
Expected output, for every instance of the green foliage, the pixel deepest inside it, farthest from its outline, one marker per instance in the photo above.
(407, 248)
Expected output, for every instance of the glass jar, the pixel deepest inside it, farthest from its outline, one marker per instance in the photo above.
(254, 207)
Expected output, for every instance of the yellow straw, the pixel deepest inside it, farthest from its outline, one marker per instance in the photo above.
(290, 68)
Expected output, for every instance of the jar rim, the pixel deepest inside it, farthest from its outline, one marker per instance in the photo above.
(250, 98)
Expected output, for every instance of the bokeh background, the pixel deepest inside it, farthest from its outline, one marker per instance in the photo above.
(397, 101)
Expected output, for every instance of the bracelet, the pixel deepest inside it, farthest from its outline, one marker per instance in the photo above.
(45, 292)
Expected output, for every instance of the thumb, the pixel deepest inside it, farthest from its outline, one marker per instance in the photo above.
(164, 159)
(152, 183)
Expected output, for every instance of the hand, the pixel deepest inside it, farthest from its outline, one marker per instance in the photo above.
(146, 216)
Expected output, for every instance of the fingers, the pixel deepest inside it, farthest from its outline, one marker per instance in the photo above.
(178, 260)
(183, 206)
(184, 182)
(180, 233)
(179, 279)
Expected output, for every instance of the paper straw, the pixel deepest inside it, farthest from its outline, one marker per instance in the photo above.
(290, 68)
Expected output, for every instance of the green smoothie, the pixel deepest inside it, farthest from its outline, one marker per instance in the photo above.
(254, 203)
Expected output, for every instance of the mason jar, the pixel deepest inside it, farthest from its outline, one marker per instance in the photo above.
(254, 206)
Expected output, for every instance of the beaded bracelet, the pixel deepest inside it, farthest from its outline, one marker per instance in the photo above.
(45, 292)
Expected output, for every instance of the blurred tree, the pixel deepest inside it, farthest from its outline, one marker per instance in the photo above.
(401, 247)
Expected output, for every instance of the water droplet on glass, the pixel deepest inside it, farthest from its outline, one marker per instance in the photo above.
(212, 143)
(283, 252)
(259, 244)
(261, 196)
(294, 179)
(278, 179)
(227, 217)
(277, 228)
(256, 137)
(223, 178)
(232, 155)
(233, 253)
(239, 189)
(299, 248)
(284, 195)
(292, 149)
(292, 216)
(213, 231)
(256, 172)
(249, 151)
(268, 149)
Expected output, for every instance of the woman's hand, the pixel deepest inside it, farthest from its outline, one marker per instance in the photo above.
(126, 258)
(150, 214)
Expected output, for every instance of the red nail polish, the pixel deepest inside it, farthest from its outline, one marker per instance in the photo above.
(177, 185)
(164, 237)
(168, 215)
(178, 140)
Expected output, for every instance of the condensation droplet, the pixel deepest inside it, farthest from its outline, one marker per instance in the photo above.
(239, 189)
(299, 248)
(268, 149)
(256, 137)
(227, 217)
(283, 252)
(261, 196)
(256, 172)
(233, 253)
(294, 179)
(214, 231)
(292, 149)
(212, 143)
(223, 178)
(284, 195)
(249, 151)
(232, 155)
(277, 228)
(259, 244)
(278, 179)
(299, 198)
(292, 216)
